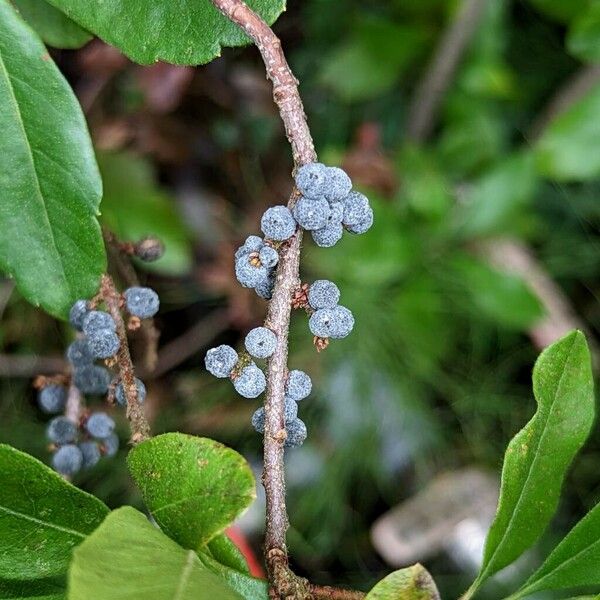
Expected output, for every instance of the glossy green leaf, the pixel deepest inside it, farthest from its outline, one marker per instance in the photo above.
(250, 588)
(130, 559)
(42, 517)
(190, 33)
(496, 199)
(411, 583)
(194, 487)
(224, 551)
(134, 206)
(55, 28)
(500, 297)
(50, 187)
(575, 562)
(583, 40)
(538, 457)
(38, 589)
(569, 149)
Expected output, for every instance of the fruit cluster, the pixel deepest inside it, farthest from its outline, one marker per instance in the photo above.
(80, 444)
(326, 207)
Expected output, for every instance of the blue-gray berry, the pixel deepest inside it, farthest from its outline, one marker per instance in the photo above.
(298, 385)
(103, 343)
(278, 223)
(96, 320)
(338, 184)
(323, 294)
(253, 243)
(335, 322)
(142, 302)
(110, 445)
(90, 451)
(249, 275)
(67, 460)
(268, 257)
(312, 214)
(265, 288)
(100, 425)
(356, 208)
(343, 322)
(221, 360)
(296, 433)
(362, 226)
(261, 342)
(120, 392)
(311, 179)
(320, 322)
(337, 212)
(77, 313)
(290, 412)
(251, 382)
(92, 379)
(79, 353)
(328, 236)
(61, 430)
(52, 398)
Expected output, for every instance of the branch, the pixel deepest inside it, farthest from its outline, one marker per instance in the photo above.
(140, 430)
(438, 75)
(74, 404)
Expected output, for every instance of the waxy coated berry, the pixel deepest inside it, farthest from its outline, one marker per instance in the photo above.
(221, 360)
(323, 294)
(120, 398)
(363, 226)
(141, 302)
(298, 385)
(52, 399)
(92, 379)
(312, 214)
(328, 236)
(261, 342)
(338, 184)
(110, 445)
(265, 288)
(77, 313)
(248, 274)
(253, 243)
(100, 425)
(67, 460)
(296, 434)
(311, 179)
(320, 322)
(334, 323)
(278, 223)
(79, 353)
(61, 430)
(103, 343)
(356, 208)
(96, 320)
(343, 322)
(90, 451)
(251, 382)
(290, 412)
(268, 257)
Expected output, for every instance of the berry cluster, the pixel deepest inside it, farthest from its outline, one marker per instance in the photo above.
(326, 207)
(80, 444)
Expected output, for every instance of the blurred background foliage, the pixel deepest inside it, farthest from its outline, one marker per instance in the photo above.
(485, 248)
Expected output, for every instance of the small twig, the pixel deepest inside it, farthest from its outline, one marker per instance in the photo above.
(325, 592)
(27, 366)
(128, 275)
(140, 430)
(438, 75)
(74, 405)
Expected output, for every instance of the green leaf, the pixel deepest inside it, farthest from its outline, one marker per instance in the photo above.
(559, 9)
(190, 33)
(194, 487)
(134, 206)
(50, 187)
(42, 517)
(223, 550)
(250, 588)
(38, 589)
(574, 562)
(500, 297)
(538, 457)
(51, 25)
(128, 558)
(411, 583)
(583, 40)
(497, 199)
(569, 149)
